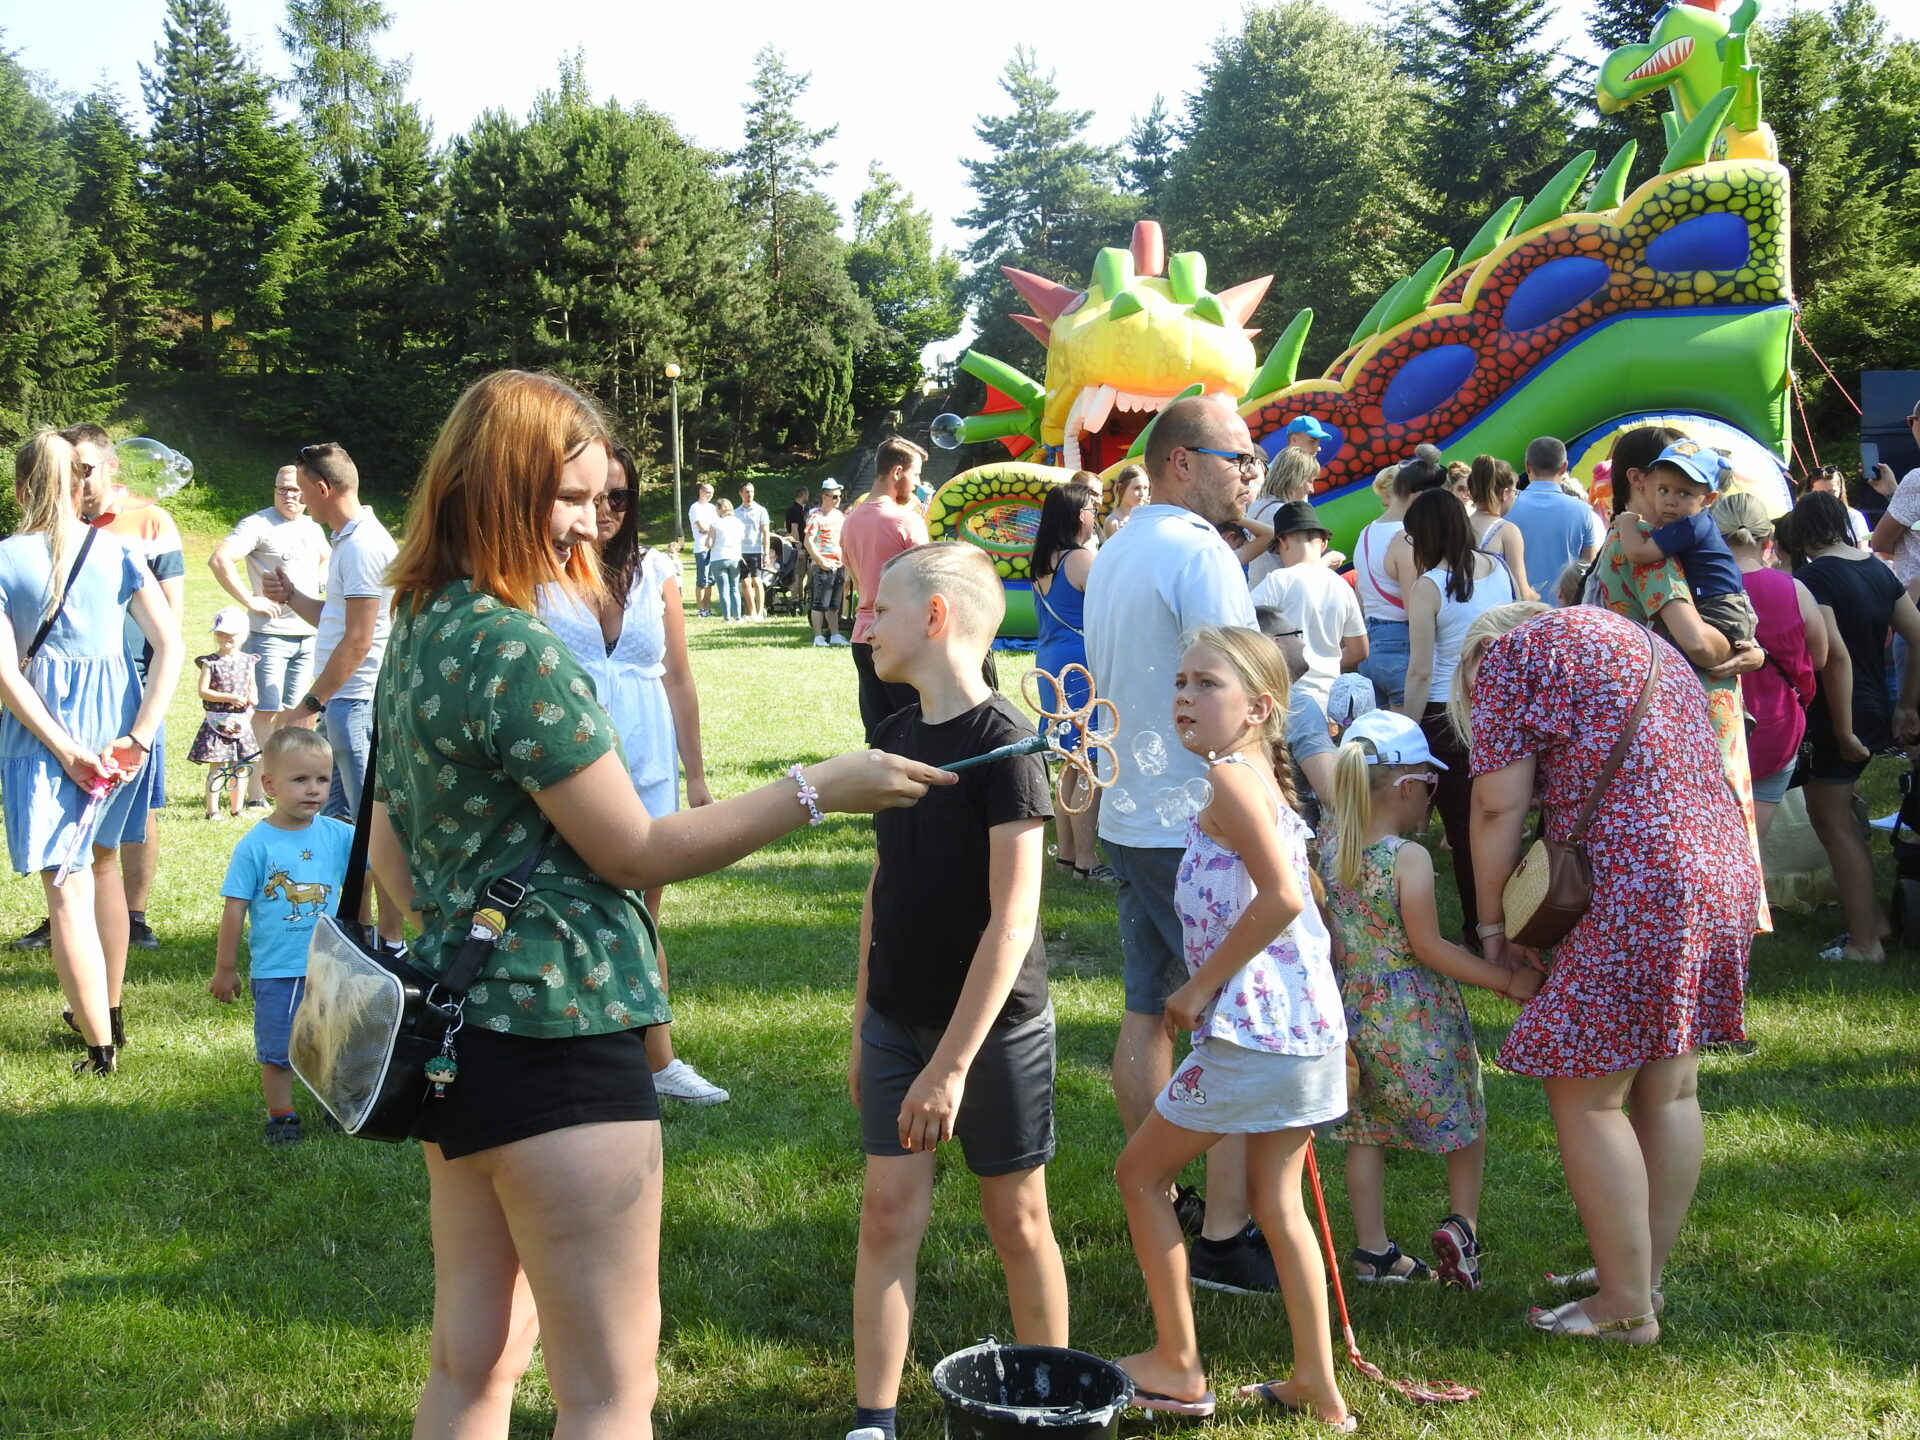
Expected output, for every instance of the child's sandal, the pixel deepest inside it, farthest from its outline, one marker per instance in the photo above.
(1457, 1249)
(1381, 1267)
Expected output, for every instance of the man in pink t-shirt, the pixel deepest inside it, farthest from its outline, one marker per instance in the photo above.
(877, 529)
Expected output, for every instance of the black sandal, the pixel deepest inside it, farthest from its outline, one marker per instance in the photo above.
(1381, 1266)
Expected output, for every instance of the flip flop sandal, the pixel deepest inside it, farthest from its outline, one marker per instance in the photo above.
(1571, 1319)
(1589, 1278)
(1382, 1266)
(1166, 1405)
(1264, 1392)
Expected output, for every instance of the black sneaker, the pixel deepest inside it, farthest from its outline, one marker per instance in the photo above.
(283, 1130)
(38, 938)
(140, 935)
(1190, 1208)
(1240, 1266)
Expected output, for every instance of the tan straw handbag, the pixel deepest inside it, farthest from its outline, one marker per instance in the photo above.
(1553, 886)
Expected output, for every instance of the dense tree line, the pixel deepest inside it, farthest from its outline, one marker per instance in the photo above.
(356, 270)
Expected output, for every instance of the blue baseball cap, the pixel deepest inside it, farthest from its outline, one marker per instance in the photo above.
(1307, 425)
(1699, 464)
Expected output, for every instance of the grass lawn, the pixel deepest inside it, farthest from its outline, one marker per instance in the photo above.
(164, 1275)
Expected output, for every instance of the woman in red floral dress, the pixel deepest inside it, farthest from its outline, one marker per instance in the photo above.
(1658, 965)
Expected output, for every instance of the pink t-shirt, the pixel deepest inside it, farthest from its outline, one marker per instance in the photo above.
(877, 529)
(1776, 694)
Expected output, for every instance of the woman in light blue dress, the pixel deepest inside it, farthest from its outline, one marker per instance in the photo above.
(76, 715)
(634, 648)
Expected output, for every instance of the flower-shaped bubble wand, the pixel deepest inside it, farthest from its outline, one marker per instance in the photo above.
(1091, 725)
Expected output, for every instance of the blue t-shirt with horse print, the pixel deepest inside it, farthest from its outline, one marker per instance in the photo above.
(287, 878)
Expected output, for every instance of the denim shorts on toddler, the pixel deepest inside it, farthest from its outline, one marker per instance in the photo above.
(274, 1004)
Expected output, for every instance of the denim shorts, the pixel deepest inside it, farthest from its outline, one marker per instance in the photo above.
(702, 560)
(285, 670)
(1772, 789)
(274, 1003)
(1153, 957)
(1388, 648)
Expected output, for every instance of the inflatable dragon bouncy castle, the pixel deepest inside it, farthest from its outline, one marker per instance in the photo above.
(1578, 320)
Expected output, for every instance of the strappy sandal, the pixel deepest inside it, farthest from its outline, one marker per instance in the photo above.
(1266, 1395)
(1380, 1266)
(1571, 1319)
(1457, 1249)
(1589, 1279)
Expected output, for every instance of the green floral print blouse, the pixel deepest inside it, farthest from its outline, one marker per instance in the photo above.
(480, 706)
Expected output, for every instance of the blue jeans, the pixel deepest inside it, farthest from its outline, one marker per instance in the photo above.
(726, 580)
(1388, 649)
(350, 731)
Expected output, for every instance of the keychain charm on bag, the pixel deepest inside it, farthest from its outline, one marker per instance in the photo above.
(443, 1069)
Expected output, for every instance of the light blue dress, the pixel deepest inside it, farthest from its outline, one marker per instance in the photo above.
(85, 678)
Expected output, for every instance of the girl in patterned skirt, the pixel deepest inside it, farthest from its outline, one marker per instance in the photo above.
(227, 693)
(1419, 1074)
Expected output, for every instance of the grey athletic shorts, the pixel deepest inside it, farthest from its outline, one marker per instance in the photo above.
(1005, 1123)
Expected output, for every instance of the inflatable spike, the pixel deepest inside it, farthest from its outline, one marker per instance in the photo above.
(1670, 126)
(1696, 141)
(1499, 225)
(1005, 378)
(1149, 248)
(1113, 271)
(1048, 298)
(1139, 446)
(1036, 328)
(1124, 304)
(1209, 308)
(1557, 194)
(1242, 300)
(1370, 322)
(1187, 275)
(1283, 361)
(1388, 301)
(1418, 290)
(1611, 188)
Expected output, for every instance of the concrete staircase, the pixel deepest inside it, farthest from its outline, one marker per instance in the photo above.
(913, 423)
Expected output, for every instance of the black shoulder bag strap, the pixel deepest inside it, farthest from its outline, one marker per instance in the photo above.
(501, 898)
(46, 625)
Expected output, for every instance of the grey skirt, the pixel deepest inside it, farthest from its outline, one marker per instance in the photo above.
(1226, 1089)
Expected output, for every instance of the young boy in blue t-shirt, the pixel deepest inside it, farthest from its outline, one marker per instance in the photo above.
(1685, 481)
(283, 874)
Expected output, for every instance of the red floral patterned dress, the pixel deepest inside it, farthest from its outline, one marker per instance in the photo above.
(1658, 966)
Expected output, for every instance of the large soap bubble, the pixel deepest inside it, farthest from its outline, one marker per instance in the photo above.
(949, 431)
(1199, 794)
(1120, 801)
(1150, 752)
(151, 468)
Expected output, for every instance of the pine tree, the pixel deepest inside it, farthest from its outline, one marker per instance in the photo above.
(1500, 121)
(1296, 163)
(1149, 153)
(52, 362)
(913, 291)
(342, 84)
(110, 223)
(779, 161)
(231, 190)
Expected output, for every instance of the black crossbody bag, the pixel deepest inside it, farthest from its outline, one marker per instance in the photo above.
(373, 1036)
(46, 625)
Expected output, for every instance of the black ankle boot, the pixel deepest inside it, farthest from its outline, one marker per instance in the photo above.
(119, 1028)
(100, 1061)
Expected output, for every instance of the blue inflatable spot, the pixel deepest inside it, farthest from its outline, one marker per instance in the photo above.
(1426, 382)
(1553, 289)
(1718, 241)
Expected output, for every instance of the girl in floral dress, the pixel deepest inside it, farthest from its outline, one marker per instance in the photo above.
(228, 693)
(1419, 1086)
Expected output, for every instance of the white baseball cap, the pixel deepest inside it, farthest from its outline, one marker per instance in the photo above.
(1396, 740)
(229, 620)
(1351, 697)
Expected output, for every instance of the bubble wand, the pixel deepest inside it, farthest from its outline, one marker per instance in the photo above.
(1095, 722)
(97, 792)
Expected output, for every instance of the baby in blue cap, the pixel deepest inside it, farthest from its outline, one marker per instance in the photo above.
(1685, 481)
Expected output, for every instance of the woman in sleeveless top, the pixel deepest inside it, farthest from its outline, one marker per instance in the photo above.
(1383, 569)
(1796, 637)
(1290, 477)
(1131, 489)
(634, 647)
(1457, 583)
(1062, 556)
(1493, 485)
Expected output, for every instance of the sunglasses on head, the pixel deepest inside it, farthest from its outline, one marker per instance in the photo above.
(616, 501)
(1429, 779)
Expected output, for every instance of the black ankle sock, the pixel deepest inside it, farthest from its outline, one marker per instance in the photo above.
(880, 1419)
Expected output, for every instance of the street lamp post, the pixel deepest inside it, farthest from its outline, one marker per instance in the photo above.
(679, 510)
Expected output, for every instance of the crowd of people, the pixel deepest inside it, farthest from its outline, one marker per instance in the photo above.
(1285, 918)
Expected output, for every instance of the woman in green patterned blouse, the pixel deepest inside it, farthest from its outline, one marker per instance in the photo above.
(544, 1154)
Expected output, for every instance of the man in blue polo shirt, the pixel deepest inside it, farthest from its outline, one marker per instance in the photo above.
(1553, 517)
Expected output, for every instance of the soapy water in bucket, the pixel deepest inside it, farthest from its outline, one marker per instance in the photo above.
(995, 1392)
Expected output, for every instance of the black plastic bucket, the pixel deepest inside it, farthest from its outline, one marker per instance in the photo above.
(1007, 1392)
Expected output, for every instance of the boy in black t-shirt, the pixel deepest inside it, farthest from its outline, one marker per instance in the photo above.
(953, 1031)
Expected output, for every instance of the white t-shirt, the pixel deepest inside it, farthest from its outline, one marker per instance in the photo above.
(700, 518)
(755, 520)
(357, 570)
(1165, 573)
(1905, 507)
(1261, 566)
(267, 541)
(729, 531)
(1322, 605)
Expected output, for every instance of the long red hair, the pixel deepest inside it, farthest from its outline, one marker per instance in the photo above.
(483, 508)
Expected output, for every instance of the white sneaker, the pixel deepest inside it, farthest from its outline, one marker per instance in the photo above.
(867, 1432)
(821, 641)
(842, 641)
(682, 1082)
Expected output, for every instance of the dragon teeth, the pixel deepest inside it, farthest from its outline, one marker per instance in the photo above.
(1674, 52)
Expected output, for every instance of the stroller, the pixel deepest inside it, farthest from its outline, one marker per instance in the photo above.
(1904, 911)
(782, 581)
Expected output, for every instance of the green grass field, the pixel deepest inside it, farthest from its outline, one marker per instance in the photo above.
(164, 1275)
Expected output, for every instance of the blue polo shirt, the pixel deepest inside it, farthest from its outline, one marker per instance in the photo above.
(1556, 524)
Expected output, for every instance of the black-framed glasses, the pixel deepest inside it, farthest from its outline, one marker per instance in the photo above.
(616, 501)
(1240, 458)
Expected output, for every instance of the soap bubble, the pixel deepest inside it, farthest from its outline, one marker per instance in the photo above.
(1120, 801)
(1169, 803)
(1149, 753)
(1064, 730)
(152, 469)
(949, 431)
(1102, 726)
(1199, 794)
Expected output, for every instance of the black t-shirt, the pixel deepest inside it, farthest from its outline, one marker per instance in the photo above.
(796, 518)
(1862, 594)
(930, 898)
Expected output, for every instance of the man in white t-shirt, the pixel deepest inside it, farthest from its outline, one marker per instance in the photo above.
(701, 516)
(1162, 575)
(1894, 537)
(753, 553)
(1317, 602)
(280, 537)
